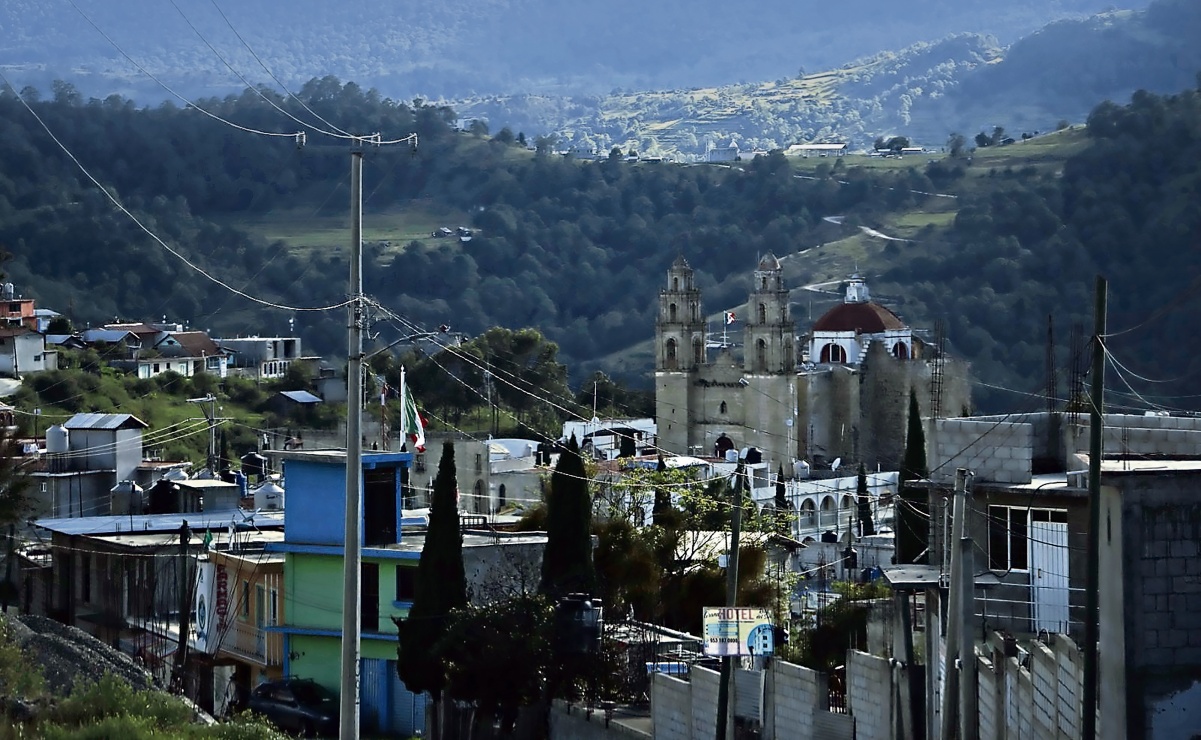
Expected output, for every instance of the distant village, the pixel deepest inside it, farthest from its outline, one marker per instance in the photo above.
(237, 571)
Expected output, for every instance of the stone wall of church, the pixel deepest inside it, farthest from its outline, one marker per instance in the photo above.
(672, 413)
(884, 384)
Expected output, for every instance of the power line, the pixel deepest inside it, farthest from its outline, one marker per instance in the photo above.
(290, 135)
(113, 199)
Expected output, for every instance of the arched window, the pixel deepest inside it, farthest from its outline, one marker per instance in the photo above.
(724, 408)
(763, 282)
(761, 355)
(900, 350)
(833, 353)
(671, 312)
(479, 503)
(500, 502)
(808, 513)
(670, 359)
(675, 283)
(698, 352)
(762, 313)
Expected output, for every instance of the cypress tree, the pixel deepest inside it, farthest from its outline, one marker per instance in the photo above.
(567, 561)
(441, 586)
(912, 513)
(781, 503)
(662, 497)
(867, 527)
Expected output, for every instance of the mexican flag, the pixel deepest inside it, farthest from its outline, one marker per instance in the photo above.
(411, 424)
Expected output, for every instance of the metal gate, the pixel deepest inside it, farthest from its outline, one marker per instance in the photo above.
(387, 706)
(1049, 570)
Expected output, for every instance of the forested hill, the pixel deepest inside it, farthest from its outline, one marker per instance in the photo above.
(457, 47)
(579, 250)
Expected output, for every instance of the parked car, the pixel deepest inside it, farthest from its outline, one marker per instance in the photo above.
(297, 705)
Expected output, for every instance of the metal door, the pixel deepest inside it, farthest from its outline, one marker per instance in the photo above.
(1049, 570)
(408, 709)
(375, 680)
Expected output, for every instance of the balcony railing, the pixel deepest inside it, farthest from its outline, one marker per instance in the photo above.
(253, 642)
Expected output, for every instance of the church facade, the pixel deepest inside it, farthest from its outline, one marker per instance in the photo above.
(840, 391)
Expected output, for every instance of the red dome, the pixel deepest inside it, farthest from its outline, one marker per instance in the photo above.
(861, 318)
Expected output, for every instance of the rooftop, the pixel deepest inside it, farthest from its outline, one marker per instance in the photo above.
(861, 318)
(151, 523)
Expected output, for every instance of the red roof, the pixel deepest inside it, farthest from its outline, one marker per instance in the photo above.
(861, 318)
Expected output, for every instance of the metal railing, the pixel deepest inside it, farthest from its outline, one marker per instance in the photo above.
(253, 642)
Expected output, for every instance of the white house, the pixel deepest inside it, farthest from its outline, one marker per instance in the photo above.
(262, 357)
(23, 351)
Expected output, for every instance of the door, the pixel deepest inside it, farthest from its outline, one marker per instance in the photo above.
(1049, 569)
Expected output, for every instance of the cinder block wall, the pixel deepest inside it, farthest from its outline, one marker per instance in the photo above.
(797, 692)
(671, 708)
(869, 695)
(998, 451)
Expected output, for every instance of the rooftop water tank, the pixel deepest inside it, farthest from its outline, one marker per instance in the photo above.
(58, 440)
(175, 474)
(127, 498)
(254, 464)
(269, 497)
(800, 469)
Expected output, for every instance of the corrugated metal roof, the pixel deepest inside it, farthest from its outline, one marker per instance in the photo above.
(151, 523)
(105, 421)
(301, 396)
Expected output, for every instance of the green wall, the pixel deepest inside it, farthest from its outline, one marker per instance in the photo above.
(320, 658)
(313, 592)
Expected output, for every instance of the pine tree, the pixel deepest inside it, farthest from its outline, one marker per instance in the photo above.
(567, 561)
(912, 513)
(441, 586)
(867, 527)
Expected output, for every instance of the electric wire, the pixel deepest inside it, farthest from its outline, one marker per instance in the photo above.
(116, 202)
(168, 88)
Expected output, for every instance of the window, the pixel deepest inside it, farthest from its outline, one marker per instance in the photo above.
(833, 353)
(406, 583)
(245, 615)
(274, 606)
(369, 609)
(671, 312)
(698, 352)
(724, 408)
(155, 367)
(1008, 546)
(37, 358)
(761, 356)
(762, 313)
(670, 364)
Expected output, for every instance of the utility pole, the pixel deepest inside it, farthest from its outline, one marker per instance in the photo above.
(210, 413)
(968, 719)
(1096, 432)
(185, 605)
(724, 715)
(352, 555)
(955, 601)
(10, 552)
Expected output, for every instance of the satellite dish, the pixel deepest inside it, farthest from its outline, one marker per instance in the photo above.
(834, 465)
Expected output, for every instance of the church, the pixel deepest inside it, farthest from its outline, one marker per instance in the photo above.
(838, 392)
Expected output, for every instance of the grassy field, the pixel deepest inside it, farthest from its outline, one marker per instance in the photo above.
(304, 231)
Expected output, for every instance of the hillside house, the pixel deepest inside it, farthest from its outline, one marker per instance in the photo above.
(262, 357)
(23, 351)
(719, 153)
(820, 150)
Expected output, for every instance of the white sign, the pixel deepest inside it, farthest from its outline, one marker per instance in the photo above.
(738, 630)
(206, 631)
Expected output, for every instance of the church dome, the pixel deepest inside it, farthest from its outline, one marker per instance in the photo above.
(769, 262)
(861, 318)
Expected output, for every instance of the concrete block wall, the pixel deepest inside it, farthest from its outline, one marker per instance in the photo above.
(988, 700)
(671, 708)
(869, 695)
(797, 693)
(705, 685)
(998, 451)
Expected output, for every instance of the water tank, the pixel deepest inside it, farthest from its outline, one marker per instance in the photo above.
(731, 455)
(127, 498)
(254, 464)
(800, 469)
(58, 440)
(175, 474)
(269, 497)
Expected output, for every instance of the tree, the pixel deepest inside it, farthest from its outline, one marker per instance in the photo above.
(441, 587)
(912, 513)
(662, 496)
(955, 144)
(567, 561)
(983, 140)
(867, 527)
(59, 325)
(14, 502)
